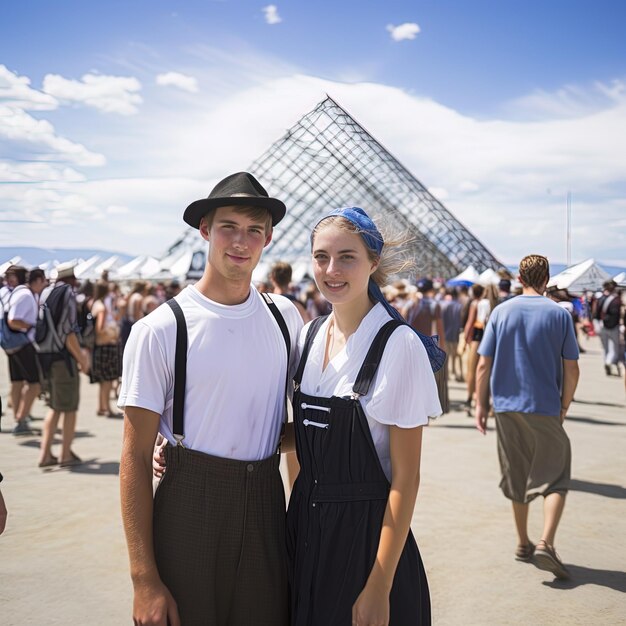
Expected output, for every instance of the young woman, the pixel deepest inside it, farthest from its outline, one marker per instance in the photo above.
(359, 408)
(106, 365)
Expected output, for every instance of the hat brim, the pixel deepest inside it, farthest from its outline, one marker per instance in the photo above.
(198, 209)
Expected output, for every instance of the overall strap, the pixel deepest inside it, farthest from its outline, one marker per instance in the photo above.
(373, 357)
(310, 335)
(180, 372)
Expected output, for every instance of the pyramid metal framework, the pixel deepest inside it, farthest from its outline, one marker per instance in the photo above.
(327, 160)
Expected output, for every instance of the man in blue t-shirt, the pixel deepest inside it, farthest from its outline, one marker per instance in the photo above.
(530, 353)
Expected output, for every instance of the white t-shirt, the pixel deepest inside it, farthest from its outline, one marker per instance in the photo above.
(404, 392)
(23, 307)
(236, 367)
(483, 309)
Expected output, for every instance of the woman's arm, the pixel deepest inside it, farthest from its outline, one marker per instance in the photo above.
(471, 319)
(372, 605)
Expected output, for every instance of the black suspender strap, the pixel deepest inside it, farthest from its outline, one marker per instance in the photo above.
(180, 372)
(308, 342)
(280, 320)
(373, 357)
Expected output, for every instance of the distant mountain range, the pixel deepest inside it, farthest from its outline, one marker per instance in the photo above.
(37, 256)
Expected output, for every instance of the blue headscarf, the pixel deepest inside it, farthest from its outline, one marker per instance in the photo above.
(374, 241)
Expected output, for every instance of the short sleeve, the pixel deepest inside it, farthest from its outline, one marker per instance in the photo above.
(146, 379)
(570, 344)
(405, 392)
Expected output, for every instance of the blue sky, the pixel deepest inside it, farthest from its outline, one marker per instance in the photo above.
(499, 108)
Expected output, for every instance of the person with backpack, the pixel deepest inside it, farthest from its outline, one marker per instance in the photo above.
(61, 358)
(21, 317)
(209, 370)
(607, 312)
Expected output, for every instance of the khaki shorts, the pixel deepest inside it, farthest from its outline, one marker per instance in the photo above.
(64, 387)
(535, 455)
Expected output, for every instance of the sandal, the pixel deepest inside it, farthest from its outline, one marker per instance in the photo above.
(52, 460)
(525, 552)
(101, 413)
(73, 460)
(547, 559)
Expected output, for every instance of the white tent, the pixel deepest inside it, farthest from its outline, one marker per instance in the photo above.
(584, 276)
(85, 270)
(139, 267)
(16, 260)
(468, 277)
(489, 277)
(620, 279)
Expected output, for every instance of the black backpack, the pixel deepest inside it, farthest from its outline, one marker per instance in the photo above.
(49, 337)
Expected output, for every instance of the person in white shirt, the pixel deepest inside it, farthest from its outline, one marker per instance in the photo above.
(364, 390)
(23, 367)
(210, 549)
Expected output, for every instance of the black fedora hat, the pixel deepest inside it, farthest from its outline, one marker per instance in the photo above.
(240, 189)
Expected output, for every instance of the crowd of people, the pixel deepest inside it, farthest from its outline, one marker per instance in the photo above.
(208, 377)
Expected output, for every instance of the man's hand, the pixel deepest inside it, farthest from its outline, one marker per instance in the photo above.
(564, 411)
(84, 362)
(154, 606)
(481, 418)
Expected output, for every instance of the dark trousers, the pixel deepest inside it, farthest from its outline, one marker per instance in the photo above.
(219, 539)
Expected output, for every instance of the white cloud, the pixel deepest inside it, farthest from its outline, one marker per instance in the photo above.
(175, 79)
(439, 192)
(468, 186)
(39, 135)
(408, 30)
(116, 209)
(15, 91)
(110, 94)
(495, 172)
(271, 14)
(569, 101)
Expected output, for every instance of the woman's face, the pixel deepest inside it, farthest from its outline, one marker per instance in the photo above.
(341, 264)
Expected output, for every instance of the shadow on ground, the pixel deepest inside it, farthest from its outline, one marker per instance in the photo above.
(589, 576)
(576, 401)
(600, 489)
(89, 466)
(593, 421)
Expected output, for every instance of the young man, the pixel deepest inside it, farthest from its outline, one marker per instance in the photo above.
(62, 369)
(23, 366)
(607, 312)
(210, 548)
(529, 349)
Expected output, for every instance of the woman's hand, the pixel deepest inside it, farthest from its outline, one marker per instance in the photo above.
(372, 606)
(158, 460)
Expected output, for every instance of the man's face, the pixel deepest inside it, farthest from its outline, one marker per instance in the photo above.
(236, 242)
(38, 285)
(11, 280)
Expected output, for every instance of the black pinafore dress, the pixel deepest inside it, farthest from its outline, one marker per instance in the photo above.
(337, 507)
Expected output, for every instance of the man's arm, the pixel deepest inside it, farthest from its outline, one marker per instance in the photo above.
(483, 373)
(571, 374)
(73, 347)
(18, 325)
(153, 604)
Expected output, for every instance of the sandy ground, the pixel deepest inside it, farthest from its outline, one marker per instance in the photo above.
(63, 557)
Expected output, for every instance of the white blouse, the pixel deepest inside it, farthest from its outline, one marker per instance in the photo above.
(403, 393)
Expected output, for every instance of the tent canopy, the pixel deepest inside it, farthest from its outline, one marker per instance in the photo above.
(585, 276)
(466, 278)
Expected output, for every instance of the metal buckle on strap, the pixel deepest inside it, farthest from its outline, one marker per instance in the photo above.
(179, 440)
